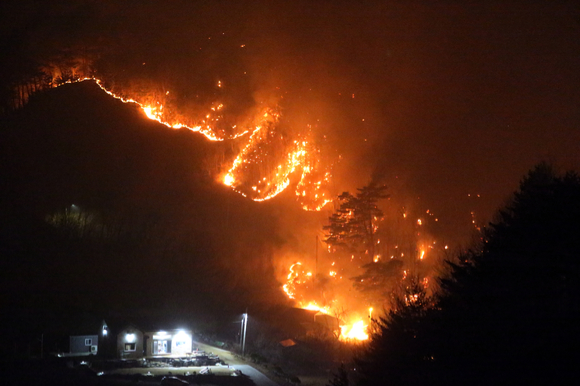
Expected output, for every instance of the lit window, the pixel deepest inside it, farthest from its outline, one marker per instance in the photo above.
(130, 346)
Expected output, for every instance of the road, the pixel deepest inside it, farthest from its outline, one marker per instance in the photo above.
(256, 376)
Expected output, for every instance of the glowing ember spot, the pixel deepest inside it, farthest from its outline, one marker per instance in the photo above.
(148, 112)
(317, 208)
(229, 179)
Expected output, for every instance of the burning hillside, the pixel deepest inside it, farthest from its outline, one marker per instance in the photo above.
(270, 156)
(282, 124)
(359, 270)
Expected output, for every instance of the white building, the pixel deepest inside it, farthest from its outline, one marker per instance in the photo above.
(130, 343)
(174, 343)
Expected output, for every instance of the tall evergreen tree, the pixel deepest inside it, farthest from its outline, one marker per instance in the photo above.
(378, 279)
(353, 226)
(509, 310)
(510, 313)
(398, 352)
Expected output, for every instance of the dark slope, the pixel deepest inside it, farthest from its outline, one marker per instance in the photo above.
(76, 143)
(150, 233)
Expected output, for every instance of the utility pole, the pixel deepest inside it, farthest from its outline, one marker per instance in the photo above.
(316, 263)
(242, 331)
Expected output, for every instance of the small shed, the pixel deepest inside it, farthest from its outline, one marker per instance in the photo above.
(330, 322)
(84, 345)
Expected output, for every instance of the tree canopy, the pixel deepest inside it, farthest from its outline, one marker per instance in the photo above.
(352, 226)
(509, 307)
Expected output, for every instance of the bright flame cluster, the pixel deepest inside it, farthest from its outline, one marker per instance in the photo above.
(269, 160)
(289, 287)
(349, 331)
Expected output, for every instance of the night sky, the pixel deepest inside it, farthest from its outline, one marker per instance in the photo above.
(447, 103)
(457, 98)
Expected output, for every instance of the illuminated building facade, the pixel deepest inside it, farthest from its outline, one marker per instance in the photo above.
(130, 343)
(173, 343)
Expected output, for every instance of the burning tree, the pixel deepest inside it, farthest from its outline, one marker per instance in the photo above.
(354, 224)
(378, 279)
(353, 230)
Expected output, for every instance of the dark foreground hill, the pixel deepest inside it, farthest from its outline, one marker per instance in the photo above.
(105, 211)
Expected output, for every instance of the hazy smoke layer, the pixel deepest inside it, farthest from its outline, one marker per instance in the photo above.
(448, 104)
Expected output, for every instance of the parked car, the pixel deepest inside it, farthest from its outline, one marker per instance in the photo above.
(173, 381)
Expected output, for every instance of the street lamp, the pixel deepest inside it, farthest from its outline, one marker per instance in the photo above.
(105, 332)
(245, 327)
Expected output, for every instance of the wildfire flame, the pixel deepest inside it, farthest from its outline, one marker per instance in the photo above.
(302, 156)
(314, 307)
(267, 163)
(289, 286)
(357, 331)
(353, 331)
